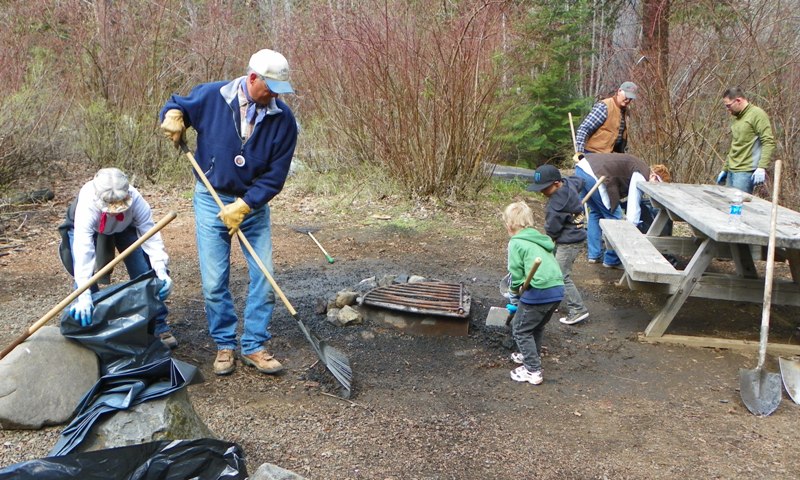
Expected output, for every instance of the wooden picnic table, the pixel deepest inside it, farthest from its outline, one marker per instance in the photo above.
(705, 209)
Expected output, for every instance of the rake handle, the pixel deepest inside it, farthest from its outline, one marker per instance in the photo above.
(242, 238)
(103, 271)
(572, 129)
(593, 189)
(327, 257)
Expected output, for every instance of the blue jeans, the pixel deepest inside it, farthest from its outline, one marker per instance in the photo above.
(741, 180)
(594, 240)
(137, 263)
(214, 251)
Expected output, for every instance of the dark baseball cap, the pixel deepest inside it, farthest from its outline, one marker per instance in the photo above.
(543, 177)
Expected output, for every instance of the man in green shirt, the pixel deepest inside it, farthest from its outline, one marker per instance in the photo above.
(752, 143)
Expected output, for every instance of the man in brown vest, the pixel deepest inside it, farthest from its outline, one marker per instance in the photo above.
(604, 130)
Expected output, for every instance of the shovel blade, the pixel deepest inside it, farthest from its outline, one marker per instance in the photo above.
(760, 390)
(790, 372)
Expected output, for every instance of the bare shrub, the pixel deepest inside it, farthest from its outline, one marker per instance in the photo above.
(410, 87)
(30, 133)
(713, 46)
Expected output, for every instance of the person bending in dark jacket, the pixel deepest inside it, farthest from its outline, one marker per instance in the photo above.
(245, 142)
(565, 223)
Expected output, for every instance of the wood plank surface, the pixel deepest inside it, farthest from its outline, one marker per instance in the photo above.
(724, 343)
(726, 287)
(642, 261)
(705, 208)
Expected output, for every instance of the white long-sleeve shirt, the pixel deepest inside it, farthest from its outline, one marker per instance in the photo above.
(87, 223)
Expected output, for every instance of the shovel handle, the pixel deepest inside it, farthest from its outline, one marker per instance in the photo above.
(773, 222)
(242, 238)
(103, 271)
(531, 273)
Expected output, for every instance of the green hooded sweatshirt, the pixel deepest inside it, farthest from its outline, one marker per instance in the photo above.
(523, 248)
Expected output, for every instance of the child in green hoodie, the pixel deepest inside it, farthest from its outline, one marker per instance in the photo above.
(540, 300)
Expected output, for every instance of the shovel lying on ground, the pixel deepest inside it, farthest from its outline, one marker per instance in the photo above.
(310, 231)
(761, 390)
(102, 272)
(790, 372)
(336, 362)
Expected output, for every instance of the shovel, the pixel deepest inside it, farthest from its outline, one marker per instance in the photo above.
(336, 362)
(102, 272)
(310, 231)
(761, 390)
(790, 372)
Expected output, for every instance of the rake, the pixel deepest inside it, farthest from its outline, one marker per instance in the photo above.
(336, 362)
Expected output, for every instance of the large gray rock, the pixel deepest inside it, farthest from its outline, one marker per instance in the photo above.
(43, 379)
(268, 471)
(349, 316)
(169, 418)
(345, 298)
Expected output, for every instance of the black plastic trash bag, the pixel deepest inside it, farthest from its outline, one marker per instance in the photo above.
(203, 459)
(135, 365)
(123, 325)
(121, 391)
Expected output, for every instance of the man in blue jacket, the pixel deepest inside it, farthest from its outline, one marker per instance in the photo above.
(246, 139)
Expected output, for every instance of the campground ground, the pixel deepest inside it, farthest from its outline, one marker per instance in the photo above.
(438, 407)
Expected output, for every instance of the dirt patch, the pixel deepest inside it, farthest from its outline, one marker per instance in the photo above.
(441, 407)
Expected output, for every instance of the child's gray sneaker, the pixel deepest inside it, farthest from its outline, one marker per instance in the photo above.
(517, 357)
(574, 318)
(521, 374)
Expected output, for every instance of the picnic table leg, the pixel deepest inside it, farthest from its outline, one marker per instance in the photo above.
(658, 223)
(743, 259)
(700, 261)
(794, 264)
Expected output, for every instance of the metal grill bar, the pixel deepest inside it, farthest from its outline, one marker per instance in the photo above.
(433, 298)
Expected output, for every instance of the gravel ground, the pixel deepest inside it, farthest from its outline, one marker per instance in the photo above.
(440, 407)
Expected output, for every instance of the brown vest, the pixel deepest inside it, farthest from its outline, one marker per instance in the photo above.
(603, 140)
(618, 169)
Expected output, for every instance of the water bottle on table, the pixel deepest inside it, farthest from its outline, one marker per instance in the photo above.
(735, 213)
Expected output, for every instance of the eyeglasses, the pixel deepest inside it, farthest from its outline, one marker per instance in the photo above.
(729, 105)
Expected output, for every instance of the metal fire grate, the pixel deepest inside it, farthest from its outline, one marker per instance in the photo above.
(430, 298)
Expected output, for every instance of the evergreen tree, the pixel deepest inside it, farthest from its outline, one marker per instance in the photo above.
(537, 126)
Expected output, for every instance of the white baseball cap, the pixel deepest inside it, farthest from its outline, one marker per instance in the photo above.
(274, 68)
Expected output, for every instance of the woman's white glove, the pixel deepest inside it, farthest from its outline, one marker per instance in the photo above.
(166, 286)
(81, 310)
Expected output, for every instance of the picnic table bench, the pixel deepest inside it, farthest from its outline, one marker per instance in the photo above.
(705, 209)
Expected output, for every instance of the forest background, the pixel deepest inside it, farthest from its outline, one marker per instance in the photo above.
(423, 94)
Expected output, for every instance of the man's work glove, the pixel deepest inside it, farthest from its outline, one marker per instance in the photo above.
(578, 157)
(759, 176)
(166, 284)
(81, 310)
(721, 177)
(173, 127)
(233, 214)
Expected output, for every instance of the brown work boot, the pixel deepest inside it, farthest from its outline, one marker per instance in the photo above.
(263, 361)
(224, 364)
